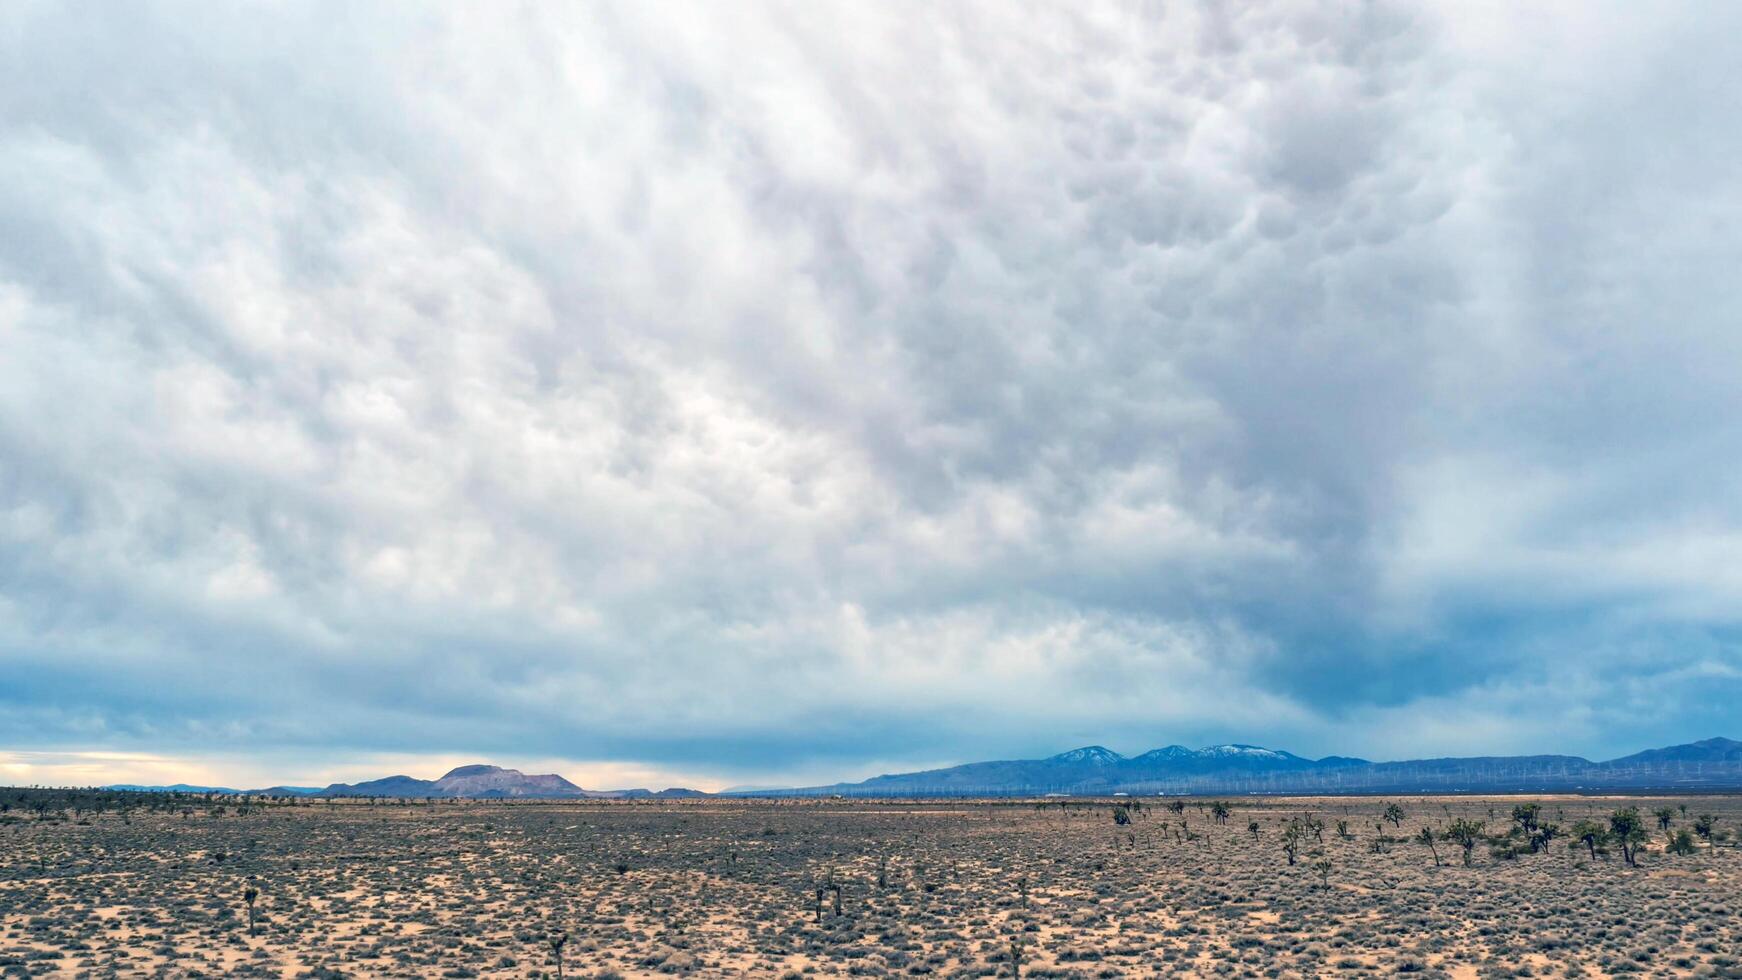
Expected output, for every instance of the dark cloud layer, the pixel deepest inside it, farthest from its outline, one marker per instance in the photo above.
(808, 384)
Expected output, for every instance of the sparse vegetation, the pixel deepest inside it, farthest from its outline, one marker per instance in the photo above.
(132, 887)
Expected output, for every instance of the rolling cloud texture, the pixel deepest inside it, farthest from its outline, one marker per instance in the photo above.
(756, 386)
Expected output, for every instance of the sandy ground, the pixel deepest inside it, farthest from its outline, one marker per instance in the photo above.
(730, 888)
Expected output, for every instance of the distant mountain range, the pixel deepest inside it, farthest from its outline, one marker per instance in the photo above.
(1711, 765)
(225, 790)
(467, 782)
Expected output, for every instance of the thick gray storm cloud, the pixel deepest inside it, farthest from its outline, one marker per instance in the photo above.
(750, 387)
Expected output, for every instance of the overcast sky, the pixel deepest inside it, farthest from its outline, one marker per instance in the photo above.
(759, 392)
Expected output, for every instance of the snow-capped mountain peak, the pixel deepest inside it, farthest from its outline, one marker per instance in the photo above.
(1090, 754)
(1248, 751)
(1168, 752)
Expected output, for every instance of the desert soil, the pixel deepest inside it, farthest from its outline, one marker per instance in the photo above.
(108, 886)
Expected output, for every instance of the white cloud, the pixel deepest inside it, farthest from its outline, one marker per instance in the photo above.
(757, 387)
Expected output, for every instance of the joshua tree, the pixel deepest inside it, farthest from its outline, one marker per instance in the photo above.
(1015, 956)
(1427, 837)
(1628, 830)
(1525, 815)
(835, 887)
(1177, 807)
(1323, 868)
(1589, 833)
(1682, 842)
(1220, 811)
(1121, 815)
(1253, 827)
(883, 872)
(1343, 829)
(1291, 838)
(1543, 833)
(557, 941)
(1703, 826)
(249, 896)
(1465, 834)
(1394, 813)
(1665, 816)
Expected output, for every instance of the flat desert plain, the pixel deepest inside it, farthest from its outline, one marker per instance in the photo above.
(105, 886)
